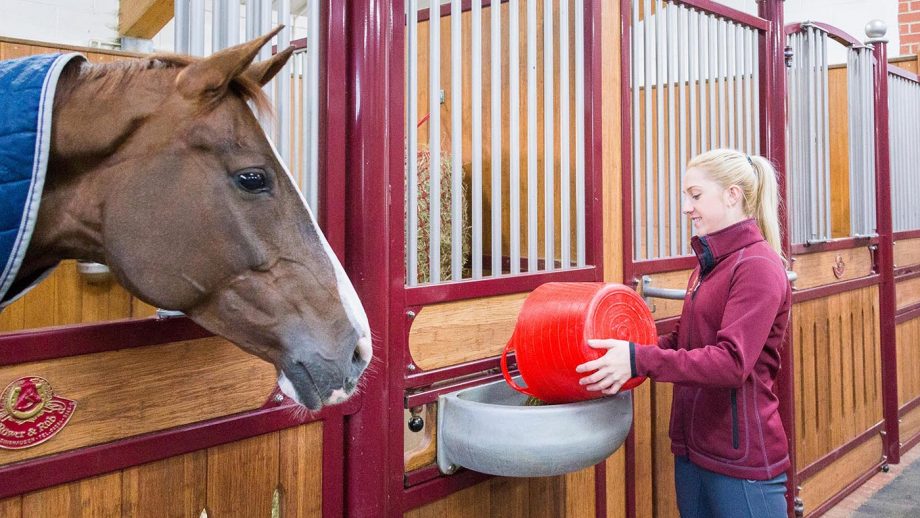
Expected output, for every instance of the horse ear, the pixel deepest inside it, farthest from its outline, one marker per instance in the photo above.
(208, 78)
(263, 71)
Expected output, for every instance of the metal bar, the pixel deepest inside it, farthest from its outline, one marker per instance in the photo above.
(639, 132)
(671, 55)
(738, 78)
(703, 69)
(412, 159)
(265, 25)
(456, 140)
(683, 47)
(196, 27)
(565, 226)
(495, 53)
(660, 51)
(811, 129)
(283, 85)
(721, 80)
(748, 101)
(731, 52)
(476, 48)
(549, 159)
(756, 88)
(828, 230)
(313, 54)
(712, 59)
(580, 129)
(434, 145)
(181, 34)
(532, 202)
(650, 52)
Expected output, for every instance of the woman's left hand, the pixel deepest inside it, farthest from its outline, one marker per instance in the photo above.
(612, 369)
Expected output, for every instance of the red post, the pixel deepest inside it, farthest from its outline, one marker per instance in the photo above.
(773, 147)
(887, 310)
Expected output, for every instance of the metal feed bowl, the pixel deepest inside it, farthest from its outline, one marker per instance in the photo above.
(487, 429)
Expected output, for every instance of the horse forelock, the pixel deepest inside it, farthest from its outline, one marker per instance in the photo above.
(115, 77)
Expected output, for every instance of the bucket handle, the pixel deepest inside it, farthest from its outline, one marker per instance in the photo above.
(504, 363)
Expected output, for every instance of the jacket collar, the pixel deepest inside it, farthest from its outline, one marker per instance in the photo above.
(712, 248)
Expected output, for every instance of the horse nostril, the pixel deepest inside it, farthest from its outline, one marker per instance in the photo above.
(356, 357)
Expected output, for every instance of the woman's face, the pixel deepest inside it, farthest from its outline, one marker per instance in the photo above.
(710, 207)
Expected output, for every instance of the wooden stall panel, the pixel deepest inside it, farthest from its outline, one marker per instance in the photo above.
(908, 346)
(910, 425)
(132, 391)
(906, 252)
(236, 479)
(837, 371)
(664, 308)
(907, 293)
(664, 497)
(832, 479)
(421, 448)
(819, 269)
(568, 496)
(456, 332)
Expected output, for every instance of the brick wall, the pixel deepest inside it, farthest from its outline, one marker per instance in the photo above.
(909, 26)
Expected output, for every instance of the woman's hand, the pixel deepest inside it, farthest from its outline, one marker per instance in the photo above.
(612, 369)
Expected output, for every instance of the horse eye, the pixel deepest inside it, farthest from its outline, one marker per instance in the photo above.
(252, 181)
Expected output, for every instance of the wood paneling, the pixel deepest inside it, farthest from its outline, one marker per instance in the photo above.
(664, 497)
(144, 18)
(456, 332)
(243, 476)
(838, 121)
(665, 308)
(910, 425)
(829, 481)
(133, 391)
(837, 371)
(301, 464)
(817, 269)
(11, 507)
(89, 498)
(616, 485)
(172, 487)
(908, 358)
(907, 293)
(906, 252)
(421, 448)
(611, 130)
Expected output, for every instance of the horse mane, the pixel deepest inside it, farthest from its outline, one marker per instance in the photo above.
(115, 75)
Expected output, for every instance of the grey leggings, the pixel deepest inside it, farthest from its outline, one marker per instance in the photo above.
(702, 493)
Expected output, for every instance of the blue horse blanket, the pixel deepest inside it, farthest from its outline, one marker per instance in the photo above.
(27, 88)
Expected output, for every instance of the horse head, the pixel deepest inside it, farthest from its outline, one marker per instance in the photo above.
(160, 169)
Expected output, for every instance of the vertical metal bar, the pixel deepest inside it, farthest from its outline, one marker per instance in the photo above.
(722, 78)
(748, 101)
(283, 84)
(693, 78)
(456, 140)
(672, 81)
(812, 129)
(565, 226)
(434, 140)
(828, 223)
(181, 35)
(683, 46)
(580, 127)
(251, 22)
(730, 53)
(650, 54)
(756, 87)
(661, 58)
(265, 25)
(532, 188)
(549, 202)
(713, 75)
(476, 48)
(854, 95)
(738, 79)
(196, 24)
(412, 130)
(218, 25)
(495, 61)
(314, 43)
(703, 73)
(640, 95)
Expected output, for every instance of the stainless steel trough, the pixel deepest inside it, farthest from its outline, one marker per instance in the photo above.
(487, 429)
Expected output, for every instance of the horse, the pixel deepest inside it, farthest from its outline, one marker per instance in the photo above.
(159, 169)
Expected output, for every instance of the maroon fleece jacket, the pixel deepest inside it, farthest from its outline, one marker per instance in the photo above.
(724, 357)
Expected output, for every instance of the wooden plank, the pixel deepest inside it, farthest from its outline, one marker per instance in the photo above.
(243, 476)
(301, 467)
(616, 486)
(817, 269)
(906, 252)
(171, 487)
(829, 481)
(907, 293)
(420, 448)
(612, 134)
(579, 494)
(11, 507)
(472, 502)
(908, 356)
(139, 390)
(910, 424)
(678, 280)
(838, 121)
(87, 498)
(664, 496)
(643, 435)
(143, 18)
(456, 332)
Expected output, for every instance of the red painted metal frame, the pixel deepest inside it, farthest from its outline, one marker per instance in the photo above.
(910, 405)
(470, 289)
(849, 488)
(906, 234)
(832, 456)
(839, 35)
(836, 244)
(835, 288)
(907, 273)
(910, 443)
(61, 342)
(726, 12)
(907, 314)
(905, 74)
(425, 378)
(431, 395)
(885, 256)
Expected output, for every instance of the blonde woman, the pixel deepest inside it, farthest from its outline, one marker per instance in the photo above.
(726, 434)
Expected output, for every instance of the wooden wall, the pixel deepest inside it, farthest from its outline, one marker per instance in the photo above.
(279, 472)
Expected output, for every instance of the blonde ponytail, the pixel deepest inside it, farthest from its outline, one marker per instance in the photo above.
(756, 178)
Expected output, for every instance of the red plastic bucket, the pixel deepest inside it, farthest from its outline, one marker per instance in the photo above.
(552, 332)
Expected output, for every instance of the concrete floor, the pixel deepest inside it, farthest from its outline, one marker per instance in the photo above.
(895, 494)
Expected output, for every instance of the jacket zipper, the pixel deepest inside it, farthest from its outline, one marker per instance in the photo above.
(735, 438)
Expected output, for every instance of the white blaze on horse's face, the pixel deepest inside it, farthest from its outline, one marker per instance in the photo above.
(347, 294)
